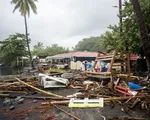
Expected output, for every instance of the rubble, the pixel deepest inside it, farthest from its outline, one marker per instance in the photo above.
(20, 101)
(7, 101)
(12, 107)
(80, 86)
(35, 101)
(49, 81)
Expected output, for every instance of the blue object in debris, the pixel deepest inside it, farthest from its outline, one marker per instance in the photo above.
(103, 69)
(133, 85)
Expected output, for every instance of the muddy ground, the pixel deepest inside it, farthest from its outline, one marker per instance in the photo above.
(55, 114)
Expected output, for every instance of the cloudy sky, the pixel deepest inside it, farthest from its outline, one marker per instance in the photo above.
(62, 22)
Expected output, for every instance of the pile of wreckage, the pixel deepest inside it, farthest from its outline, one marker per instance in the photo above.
(81, 89)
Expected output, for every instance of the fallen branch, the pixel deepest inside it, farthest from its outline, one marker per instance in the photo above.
(42, 91)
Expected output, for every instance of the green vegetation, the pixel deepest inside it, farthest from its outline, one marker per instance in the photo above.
(11, 48)
(55, 70)
(129, 40)
(90, 44)
(54, 49)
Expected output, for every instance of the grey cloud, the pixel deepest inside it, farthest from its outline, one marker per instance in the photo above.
(64, 22)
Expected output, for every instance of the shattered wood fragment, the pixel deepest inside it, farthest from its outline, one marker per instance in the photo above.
(42, 91)
(76, 87)
(73, 116)
(135, 103)
(9, 91)
(125, 118)
(56, 102)
(4, 95)
(38, 97)
(122, 98)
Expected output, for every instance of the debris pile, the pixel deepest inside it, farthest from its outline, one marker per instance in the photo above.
(43, 92)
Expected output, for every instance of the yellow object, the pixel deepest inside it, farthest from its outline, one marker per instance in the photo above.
(86, 103)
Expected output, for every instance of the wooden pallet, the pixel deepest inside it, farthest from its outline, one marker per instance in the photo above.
(118, 62)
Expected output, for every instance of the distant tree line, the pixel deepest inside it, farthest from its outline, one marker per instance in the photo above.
(54, 49)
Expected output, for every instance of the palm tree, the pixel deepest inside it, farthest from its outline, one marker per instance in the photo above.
(143, 30)
(24, 7)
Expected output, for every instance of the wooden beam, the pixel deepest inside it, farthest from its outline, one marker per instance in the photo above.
(42, 91)
(105, 99)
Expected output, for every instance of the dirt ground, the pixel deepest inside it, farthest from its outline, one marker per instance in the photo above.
(21, 111)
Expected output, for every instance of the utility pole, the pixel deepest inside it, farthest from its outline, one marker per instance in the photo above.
(120, 13)
(120, 21)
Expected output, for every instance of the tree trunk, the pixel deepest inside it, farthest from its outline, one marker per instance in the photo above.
(26, 30)
(143, 31)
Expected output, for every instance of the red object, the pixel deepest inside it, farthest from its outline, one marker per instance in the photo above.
(123, 91)
(98, 69)
(133, 57)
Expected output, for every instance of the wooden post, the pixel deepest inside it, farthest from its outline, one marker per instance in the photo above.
(112, 61)
(128, 64)
(93, 67)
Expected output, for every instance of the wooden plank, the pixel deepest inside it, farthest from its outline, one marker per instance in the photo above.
(9, 91)
(42, 91)
(128, 64)
(105, 59)
(105, 99)
(120, 65)
(99, 76)
(99, 73)
(93, 67)
(105, 56)
(112, 61)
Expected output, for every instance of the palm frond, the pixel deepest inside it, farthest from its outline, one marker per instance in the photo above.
(14, 1)
(33, 6)
(17, 5)
(24, 6)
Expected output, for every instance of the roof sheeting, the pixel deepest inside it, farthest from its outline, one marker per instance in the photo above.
(74, 54)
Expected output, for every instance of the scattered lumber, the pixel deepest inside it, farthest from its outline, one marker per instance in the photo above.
(105, 99)
(9, 91)
(42, 97)
(42, 91)
(4, 95)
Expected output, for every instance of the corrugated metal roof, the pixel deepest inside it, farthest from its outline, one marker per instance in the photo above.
(75, 54)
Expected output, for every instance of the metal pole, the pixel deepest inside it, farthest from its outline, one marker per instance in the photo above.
(120, 13)
(120, 20)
